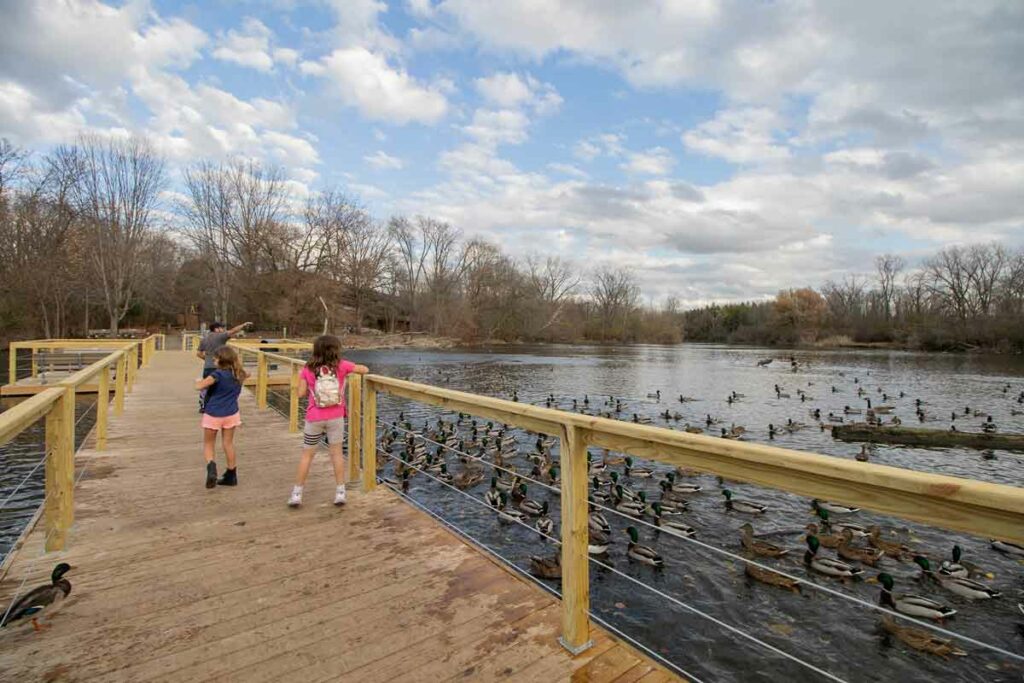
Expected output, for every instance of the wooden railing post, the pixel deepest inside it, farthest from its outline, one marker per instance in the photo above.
(12, 363)
(102, 407)
(369, 437)
(133, 366)
(355, 415)
(35, 362)
(575, 537)
(59, 511)
(293, 400)
(119, 381)
(261, 380)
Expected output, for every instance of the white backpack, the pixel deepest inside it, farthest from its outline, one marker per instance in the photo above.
(328, 391)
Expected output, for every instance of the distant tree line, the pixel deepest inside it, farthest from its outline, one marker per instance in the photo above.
(92, 235)
(960, 298)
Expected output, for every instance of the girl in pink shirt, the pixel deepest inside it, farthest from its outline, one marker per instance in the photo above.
(323, 382)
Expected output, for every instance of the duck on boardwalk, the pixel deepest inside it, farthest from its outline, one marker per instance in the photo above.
(42, 601)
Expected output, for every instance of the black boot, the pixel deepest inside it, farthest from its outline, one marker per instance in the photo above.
(230, 478)
(211, 474)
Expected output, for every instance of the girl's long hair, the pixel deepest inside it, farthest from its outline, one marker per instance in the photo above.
(326, 354)
(228, 359)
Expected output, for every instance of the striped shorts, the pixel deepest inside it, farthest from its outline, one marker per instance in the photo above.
(315, 432)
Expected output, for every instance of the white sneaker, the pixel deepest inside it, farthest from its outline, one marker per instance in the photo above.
(339, 495)
(296, 498)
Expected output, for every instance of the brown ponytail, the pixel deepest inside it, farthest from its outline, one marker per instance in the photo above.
(228, 359)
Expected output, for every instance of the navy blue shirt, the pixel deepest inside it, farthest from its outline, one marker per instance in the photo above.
(222, 396)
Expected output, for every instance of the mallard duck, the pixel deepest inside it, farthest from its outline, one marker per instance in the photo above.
(757, 546)
(914, 605)
(518, 493)
(771, 578)
(826, 565)
(671, 506)
(632, 470)
(966, 588)
(532, 507)
(920, 639)
(748, 507)
(642, 553)
(544, 523)
(546, 567)
(443, 474)
(467, 478)
(827, 540)
(493, 495)
(679, 487)
(833, 508)
(869, 556)
(598, 542)
(959, 567)
(42, 601)
(633, 508)
(671, 525)
(597, 522)
(507, 514)
(1008, 548)
(892, 549)
(507, 484)
(839, 527)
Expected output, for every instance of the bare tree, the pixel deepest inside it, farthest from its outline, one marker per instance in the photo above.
(364, 260)
(888, 267)
(115, 188)
(553, 282)
(616, 294)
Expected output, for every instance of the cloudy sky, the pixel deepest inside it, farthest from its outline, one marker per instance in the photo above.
(721, 149)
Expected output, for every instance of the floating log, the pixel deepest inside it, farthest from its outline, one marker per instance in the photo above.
(915, 436)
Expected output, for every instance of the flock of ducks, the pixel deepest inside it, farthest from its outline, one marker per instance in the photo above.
(621, 485)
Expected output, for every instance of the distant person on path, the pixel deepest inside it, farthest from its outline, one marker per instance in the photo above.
(213, 340)
(221, 413)
(323, 383)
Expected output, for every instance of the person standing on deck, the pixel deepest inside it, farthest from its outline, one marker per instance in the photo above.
(221, 414)
(214, 339)
(323, 382)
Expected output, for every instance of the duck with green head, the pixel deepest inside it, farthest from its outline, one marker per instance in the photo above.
(672, 526)
(42, 601)
(914, 605)
(747, 507)
(632, 470)
(967, 588)
(506, 514)
(826, 565)
(642, 553)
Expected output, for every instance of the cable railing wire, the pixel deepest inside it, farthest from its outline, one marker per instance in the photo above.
(721, 551)
(519, 570)
(674, 600)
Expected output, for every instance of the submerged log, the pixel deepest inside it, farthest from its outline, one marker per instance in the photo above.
(915, 436)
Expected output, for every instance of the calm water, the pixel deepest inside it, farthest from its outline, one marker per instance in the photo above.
(831, 633)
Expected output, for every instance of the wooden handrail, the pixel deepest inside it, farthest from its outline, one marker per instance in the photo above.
(57, 407)
(981, 508)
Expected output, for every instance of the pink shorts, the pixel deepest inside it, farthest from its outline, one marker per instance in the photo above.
(219, 423)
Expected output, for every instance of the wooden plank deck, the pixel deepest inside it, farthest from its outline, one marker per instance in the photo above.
(174, 582)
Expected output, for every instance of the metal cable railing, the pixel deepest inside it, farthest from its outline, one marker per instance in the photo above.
(723, 552)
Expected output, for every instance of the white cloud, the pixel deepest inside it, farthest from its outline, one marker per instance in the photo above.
(380, 91)
(382, 160)
(654, 161)
(739, 135)
(249, 46)
(501, 127)
(568, 169)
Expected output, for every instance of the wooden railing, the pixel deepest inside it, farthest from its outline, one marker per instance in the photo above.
(57, 406)
(981, 508)
(142, 348)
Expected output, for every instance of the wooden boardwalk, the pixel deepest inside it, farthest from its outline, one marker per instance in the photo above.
(174, 582)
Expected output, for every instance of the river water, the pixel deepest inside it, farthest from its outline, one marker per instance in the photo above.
(828, 632)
